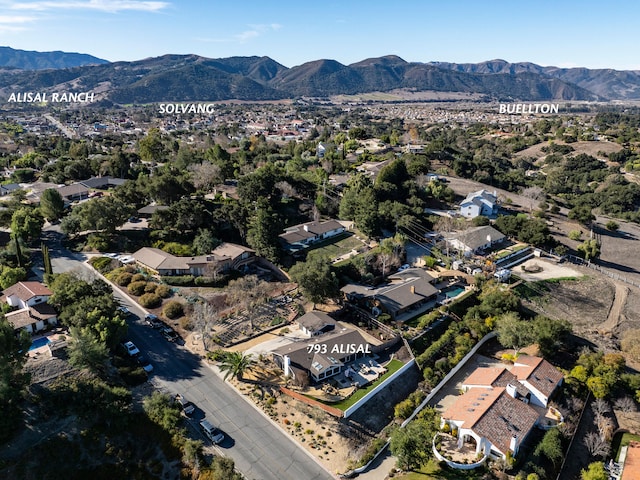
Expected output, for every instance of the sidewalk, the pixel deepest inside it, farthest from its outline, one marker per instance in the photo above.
(380, 469)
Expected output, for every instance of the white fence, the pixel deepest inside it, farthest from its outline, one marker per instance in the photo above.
(353, 408)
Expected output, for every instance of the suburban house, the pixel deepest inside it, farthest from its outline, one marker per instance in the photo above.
(322, 356)
(493, 418)
(227, 256)
(316, 323)
(80, 190)
(501, 405)
(32, 313)
(406, 292)
(8, 188)
(538, 376)
(479, 203)
(148, 210)
(302, 235)
(475, 239)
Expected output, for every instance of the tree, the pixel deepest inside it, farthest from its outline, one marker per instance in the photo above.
(13, 356)
(222, 468)
(247, 292)
(263, 231)
(99, 214)
(205, 175)
(151, 148)
(204, 316)
(534, 196)
(85, 350)
(590, 249)
(551, 446)
(582, 213)
(46, 259)
(204, 242)
(595, 471)
(162, 410)
(549, 334)
(513, 332)
(316, 279)
(236, 364)
(26, 223)
(10, 276)
(596, 445)
(51, 204)
(412, 445)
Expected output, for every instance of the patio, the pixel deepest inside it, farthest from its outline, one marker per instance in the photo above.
(456, 451)
(360, 373)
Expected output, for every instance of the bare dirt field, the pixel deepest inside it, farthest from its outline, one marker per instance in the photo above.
(588, 148)
(549, 270)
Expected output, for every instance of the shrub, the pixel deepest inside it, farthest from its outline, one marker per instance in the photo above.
(575, 234)
(138, 277)
(98, 242)
(102, 264)
(150, 287)
(163, 291)
(186, 323)
(150, 300)
(123, 279)
(612, 226)
(179, 281)
(205, 282)
(136, 288)
(173, 309)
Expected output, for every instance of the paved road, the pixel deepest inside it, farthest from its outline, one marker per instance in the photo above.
(261, 451)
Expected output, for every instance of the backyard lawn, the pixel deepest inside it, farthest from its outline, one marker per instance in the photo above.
(333, 249)
(392, 367)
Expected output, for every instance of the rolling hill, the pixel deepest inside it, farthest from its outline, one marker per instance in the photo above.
(180, 78)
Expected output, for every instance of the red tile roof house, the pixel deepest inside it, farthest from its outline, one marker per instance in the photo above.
(33, 313)
(497, 408)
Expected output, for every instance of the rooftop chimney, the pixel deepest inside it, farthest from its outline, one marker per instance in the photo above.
(513, 444)
(413, 289)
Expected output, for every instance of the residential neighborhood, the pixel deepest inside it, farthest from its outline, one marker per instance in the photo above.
(415, 289)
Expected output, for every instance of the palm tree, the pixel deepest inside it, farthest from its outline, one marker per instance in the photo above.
(237, 363)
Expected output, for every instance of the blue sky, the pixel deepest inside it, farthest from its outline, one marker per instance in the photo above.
(561, 33)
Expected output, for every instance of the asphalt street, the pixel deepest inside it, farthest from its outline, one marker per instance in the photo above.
(260, 450)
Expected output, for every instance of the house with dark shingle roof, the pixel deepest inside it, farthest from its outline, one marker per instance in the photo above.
(498, 408)
(316, 323)
(475, 239)
(322, 356)
(408, 290)
(302, 235)
(479, 203)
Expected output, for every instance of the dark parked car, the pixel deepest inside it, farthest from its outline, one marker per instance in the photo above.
(170, 334)
(152, 320)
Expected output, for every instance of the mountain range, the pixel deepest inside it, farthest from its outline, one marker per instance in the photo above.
(30, 60)
(181, 78)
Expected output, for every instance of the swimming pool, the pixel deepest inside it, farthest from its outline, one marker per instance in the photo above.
(454, 292)
(39, 342)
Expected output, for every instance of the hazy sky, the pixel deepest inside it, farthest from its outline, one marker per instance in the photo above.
(561, 33)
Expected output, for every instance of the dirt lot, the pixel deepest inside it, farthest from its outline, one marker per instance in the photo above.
(549, 270)
(589, 148)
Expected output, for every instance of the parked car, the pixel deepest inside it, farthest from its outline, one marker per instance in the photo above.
(152, 320)
(145, 364)
(131, 348)
(124, 310)
(185, 405)
(214, 434)
(170, 334)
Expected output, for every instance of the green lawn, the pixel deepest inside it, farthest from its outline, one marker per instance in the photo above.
(432, 471)
(332, 249)
(392, 367)
(622, 440)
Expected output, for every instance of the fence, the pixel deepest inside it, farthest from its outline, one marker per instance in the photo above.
(598, 268)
